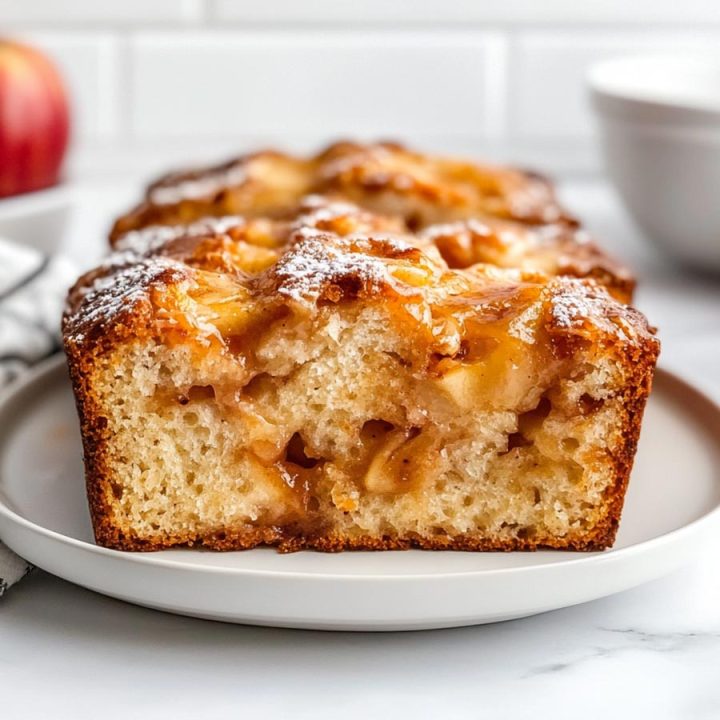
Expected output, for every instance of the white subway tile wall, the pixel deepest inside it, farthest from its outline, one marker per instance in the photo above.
(301, 82)
(89, 65)
(462, 11)
(156, 81)
(547, 93)
(107, 12)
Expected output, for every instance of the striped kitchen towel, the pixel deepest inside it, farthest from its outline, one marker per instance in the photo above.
(32, 294)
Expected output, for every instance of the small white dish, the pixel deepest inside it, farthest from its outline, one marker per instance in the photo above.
(673, 500)
(659, 119)
(38, 219)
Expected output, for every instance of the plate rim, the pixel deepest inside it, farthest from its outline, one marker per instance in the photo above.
(43, 372)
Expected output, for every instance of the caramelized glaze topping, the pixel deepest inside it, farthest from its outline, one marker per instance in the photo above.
(197, 185)
(114, 294)
(419, 188)
(555, 249)
(320, 265)
(218, 279)
(460, 187)
(581, 308)
(469, 212)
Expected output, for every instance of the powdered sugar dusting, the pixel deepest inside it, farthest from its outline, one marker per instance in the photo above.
(319, 208)
(153, 237)
(579, 305)
(523, 326)
(317, 261)
(107, 297)
(196, 188)
(461, 227)
(576, 303)
(569, 311)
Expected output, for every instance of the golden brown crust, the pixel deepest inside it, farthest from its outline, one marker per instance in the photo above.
(427, 189)
(514, 218)
(495, 243)
(99, 479)
(331, 254)
(270, 183)
(261, 184)
(638, 358)
(556, 249)
(287, 540)
(307, 264)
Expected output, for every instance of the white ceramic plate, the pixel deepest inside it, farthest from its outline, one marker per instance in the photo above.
(673, 499)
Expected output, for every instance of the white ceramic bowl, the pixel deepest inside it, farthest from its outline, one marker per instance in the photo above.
(660, 132)
(38, 219)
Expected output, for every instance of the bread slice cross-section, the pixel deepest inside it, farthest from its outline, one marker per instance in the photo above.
(327, 381)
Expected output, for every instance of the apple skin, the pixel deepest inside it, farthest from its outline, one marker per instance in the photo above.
(34, 120)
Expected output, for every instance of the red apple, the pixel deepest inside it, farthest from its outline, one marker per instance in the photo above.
(34, 120)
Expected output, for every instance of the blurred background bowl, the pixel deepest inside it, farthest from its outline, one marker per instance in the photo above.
(38, 219)
(659, 121)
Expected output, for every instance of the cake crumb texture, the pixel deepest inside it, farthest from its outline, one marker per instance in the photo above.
(329, 372)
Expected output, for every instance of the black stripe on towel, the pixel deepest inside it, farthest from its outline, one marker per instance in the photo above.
(27, 279)
(18, 358)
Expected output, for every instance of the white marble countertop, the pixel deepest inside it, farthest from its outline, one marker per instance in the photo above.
(652, 652)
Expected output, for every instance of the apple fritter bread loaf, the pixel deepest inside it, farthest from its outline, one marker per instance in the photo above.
(326, 380)
(487, 214)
